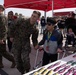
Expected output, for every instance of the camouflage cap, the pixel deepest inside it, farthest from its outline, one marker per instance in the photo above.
(2, 7)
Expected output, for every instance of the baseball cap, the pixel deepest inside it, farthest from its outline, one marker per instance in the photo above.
(51, 22)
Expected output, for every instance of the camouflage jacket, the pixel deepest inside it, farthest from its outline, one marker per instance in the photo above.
(2, 27)
(22, 31)
(10, 23)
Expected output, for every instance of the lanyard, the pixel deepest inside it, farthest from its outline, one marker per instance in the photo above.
(49, 35)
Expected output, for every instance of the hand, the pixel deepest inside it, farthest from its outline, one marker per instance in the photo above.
(59, 50)
(36, 47)
(41, 48)
(2, 42)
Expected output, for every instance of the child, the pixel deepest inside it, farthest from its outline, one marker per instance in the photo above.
(52, 41)
(70, 37)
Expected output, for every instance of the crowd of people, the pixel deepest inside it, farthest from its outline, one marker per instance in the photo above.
(17, 31)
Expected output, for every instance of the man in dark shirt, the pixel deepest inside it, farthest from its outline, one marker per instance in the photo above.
(71, 23)
(43, 23)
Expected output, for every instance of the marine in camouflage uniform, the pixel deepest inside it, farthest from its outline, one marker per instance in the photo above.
(3, 51)
(11, 21)
(21, 32)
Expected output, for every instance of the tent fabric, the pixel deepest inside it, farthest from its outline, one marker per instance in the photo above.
(63, 13)
(44, 5)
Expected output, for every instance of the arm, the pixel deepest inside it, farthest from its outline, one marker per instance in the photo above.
(2, 31)
(2, 34)
(35, 37)
(43, 38)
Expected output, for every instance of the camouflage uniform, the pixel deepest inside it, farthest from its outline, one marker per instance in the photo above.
(21, 33)
(3, 51)
(10, 23)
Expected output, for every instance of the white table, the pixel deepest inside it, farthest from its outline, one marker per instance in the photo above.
(62, 61)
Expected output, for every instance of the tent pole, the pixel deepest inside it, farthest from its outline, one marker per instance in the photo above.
(52, 7)
(45, 14)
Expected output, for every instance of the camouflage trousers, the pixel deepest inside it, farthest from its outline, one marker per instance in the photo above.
(22, 59)
(5, 54)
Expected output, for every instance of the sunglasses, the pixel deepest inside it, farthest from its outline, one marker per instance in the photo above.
(49, 24)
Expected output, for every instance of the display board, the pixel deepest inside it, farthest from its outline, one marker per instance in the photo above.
(65, 66)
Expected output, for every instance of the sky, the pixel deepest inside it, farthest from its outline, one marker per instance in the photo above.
(28, 12)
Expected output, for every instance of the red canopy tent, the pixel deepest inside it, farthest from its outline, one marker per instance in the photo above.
(44, 5)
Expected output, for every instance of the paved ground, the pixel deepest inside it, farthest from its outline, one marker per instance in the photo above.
(8, 71)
